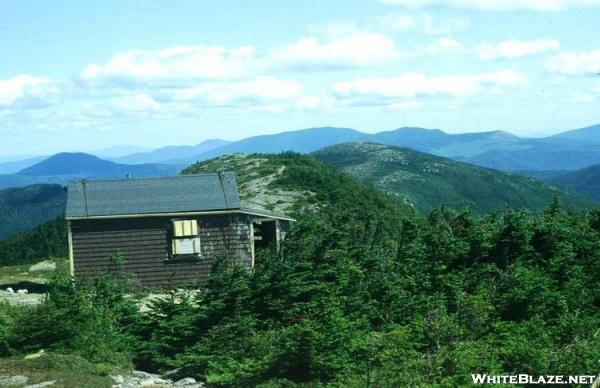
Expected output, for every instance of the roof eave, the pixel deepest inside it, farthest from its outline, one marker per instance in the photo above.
(253, 212)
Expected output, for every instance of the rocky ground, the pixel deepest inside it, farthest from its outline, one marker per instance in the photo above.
(20, 297)
(133, 379)
(21, 381)
(137, 379)
(25, 284)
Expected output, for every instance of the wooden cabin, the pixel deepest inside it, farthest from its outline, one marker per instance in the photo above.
(168, 231)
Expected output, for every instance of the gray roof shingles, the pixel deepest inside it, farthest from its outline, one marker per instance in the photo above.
(185, 193)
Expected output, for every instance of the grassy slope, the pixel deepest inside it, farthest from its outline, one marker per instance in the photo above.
(426, 181)
(24, 208)
(65, 370)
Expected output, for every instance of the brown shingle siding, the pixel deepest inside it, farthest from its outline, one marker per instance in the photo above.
(145, 245)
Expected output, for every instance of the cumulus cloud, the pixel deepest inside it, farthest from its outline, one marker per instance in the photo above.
(415, 85)
(513, 49)
(433, 25)
(404, 105)
(499, 5)
(354, 50)
(26, 91)
(395, 22)
(260, 90)
(585, 63)
(175, 64)
(186, 77)
(444, 46)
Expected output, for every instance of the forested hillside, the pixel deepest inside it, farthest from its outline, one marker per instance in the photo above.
(365, 292)
(427, 182)
(585, 181)
(45, 241)
(24, 208)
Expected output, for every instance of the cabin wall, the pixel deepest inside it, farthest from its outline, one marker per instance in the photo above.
(145, 244)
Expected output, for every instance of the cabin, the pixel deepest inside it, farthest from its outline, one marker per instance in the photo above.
(166, 231)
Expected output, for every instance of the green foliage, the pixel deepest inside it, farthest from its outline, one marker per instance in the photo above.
(364, 292)
(68, 370)
(42, 242)
(97, 322)
(428, 303)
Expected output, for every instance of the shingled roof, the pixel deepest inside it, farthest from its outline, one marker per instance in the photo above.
(185, 193)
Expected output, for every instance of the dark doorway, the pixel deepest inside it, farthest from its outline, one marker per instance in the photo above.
(265, 234)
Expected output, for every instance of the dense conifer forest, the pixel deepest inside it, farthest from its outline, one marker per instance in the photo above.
(364, 292)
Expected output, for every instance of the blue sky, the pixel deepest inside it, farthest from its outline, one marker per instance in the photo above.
(85, 75)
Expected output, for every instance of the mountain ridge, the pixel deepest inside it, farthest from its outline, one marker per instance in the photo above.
(427, 181)
(585, 181)
(494, 149)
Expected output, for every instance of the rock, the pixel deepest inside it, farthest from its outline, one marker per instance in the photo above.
(138, 379)
(171, 374)
(185, 382)
(10, 381)
(22, 291)
(142, 374)
(118, 379)
(154, 381)
(34, 355)
(41, 385)
(9, 289)
(44, 266)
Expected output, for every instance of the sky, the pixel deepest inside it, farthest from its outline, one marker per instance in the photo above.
(87, 75)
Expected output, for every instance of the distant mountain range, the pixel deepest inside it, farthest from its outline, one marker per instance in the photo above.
(61, 168)
(421, 180)
(497, 149)
(172, 154)
(10, 167)
(24, 208)
(426, 181)
(118, 151)
(543, 158)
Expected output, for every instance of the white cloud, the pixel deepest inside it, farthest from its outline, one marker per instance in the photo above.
(345, 47)
(139, 102)
(354, 50)
(444, 46)
(513, 49)
(404, 105)
(499, 5)
(414, 85)
(26, 91)
(179, 63)
(333, 29)
(395, 22)
(585, 63)
(433, 25)
(255, 91)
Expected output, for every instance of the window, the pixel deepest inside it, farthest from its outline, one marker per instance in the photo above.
(185, 237)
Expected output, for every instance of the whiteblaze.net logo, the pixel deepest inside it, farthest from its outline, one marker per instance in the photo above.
(530, 379)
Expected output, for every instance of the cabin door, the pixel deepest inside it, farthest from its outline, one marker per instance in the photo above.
(265, 234)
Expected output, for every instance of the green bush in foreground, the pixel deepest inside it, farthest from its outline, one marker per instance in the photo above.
(417, 302)
(357, 297)
(96, 322)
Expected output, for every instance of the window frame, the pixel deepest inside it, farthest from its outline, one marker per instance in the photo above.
(180, 231)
